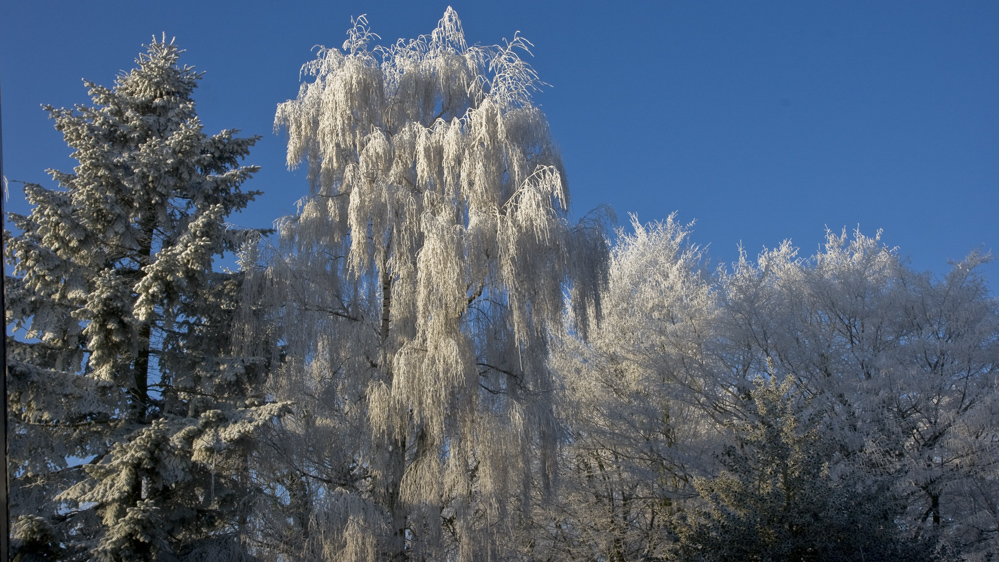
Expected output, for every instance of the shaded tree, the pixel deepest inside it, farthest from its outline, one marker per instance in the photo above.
(777, 500)
(902, 367)
(895, 379)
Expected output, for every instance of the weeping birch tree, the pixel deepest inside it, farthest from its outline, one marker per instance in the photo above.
(421, 280)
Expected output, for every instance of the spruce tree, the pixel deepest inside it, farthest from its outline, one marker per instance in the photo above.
(131, 416)
(777, 500)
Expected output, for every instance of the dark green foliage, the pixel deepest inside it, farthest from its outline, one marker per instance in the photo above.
(784, 495)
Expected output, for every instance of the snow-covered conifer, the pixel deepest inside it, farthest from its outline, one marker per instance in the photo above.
(775, 498)
(130, 414)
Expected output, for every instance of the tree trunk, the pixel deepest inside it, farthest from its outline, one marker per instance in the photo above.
(396, 468)
(140, 370)
(140, 367)
(395, 445)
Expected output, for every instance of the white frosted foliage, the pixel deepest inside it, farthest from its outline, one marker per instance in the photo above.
(435, 233)
(894, 372)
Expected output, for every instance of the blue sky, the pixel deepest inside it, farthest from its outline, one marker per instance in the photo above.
(761, 121)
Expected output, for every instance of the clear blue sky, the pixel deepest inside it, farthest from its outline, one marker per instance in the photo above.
(762, 121)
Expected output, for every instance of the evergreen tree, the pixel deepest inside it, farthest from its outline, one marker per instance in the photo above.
(131, 416)
(775, 499)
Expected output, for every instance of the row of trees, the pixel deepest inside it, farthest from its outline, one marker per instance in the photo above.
(428, 362)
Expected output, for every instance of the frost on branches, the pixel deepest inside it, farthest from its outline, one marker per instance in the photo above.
(131, 417)
(426, 271)
(633, 402)
(903, 369)
(868, 388)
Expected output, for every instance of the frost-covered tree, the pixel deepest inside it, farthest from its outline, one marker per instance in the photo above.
(131, 417)
(903, 368)
(637, 436)
(895, 371)
(421, 281)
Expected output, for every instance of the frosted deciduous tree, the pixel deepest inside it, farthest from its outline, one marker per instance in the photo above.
(632, 392)
(894, 377)
(940, 400)
(902, 367)
(131, 416)
(425, 272)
